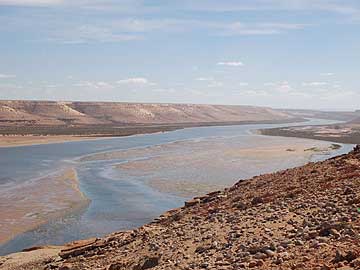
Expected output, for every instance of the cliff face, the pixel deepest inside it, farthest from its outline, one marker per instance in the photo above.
(86, 113)
(302, 218)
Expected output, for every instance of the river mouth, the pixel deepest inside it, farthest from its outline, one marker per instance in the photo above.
(130, 181)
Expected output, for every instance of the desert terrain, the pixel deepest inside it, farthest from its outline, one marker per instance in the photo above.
(301, 218)
(53, 113)
(346, 132)
(38, 122)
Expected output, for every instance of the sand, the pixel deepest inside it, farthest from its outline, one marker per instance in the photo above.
(192, 168)
(17, 140)
(27, 206)
(302, 218)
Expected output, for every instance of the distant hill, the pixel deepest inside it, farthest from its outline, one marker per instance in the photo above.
(109, 113)
(356, 121)
(333, 115)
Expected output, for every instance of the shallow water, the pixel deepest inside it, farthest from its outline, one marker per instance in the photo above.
(134, 193)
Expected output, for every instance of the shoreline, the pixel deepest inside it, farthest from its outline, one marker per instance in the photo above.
(172, 189)
(21, 214)
(319, 133)
(48, 135)
(302, 216)
(168, 189)
(29, 140)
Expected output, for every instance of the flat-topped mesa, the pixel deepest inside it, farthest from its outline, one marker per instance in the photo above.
(302, 218)
(52, 113)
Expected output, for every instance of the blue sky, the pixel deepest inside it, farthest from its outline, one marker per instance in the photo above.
(278, 53)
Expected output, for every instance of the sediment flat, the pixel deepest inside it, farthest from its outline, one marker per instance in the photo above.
(33, 134)
(26, 206)
(301, 218)
(342, 133)
(16, 140)
(209, 160)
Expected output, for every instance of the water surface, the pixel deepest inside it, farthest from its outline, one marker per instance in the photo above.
(128, 195)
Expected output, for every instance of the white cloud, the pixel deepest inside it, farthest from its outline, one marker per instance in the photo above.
(269, 84)
(337, 6)
(269, 28)
(30, 2)
(104, 85)
(136, 80)
(53, 85)
(164, 90)
(327, 74)
(255, 93)
(231, 64)
(284, 87)
(214, 84)
(205, 79)
(7, 76)
(97, 85)
(314, 83)
(91, 33)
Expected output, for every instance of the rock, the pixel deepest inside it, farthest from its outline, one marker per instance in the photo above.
(253, 264)
(270, 253)
(116, 266)
(345, 268)
(66, 267)
(148, 263)
(257, 200)
(260, 255)
(356, 263)
(192, 202)
(345, 256)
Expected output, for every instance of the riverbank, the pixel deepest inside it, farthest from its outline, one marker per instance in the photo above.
(342, 133)
(301, 218)
(208, 160)
(18, 140)
(32, 135)
(155, 174)
(27, 206)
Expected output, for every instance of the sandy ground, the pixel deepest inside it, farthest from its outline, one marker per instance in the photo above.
(16, 140)
(192, 168)
(25, 207)
(14, 261)
(343, 133)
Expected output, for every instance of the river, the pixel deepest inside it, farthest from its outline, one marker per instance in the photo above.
(131, 180)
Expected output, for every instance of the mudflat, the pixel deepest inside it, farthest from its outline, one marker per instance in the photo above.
(26, 206)
(341, 133)
(16, 140)
(301, 218)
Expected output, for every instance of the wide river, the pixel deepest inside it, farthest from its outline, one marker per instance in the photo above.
(131, 180)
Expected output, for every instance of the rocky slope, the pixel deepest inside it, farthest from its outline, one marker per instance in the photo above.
(301, 218)
(107, 113)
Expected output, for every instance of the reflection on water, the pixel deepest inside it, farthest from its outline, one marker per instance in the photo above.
(134, 179)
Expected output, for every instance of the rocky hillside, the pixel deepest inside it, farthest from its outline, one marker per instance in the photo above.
(302, 218)
(107, 113)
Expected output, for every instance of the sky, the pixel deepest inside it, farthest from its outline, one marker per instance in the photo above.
(277, 53)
